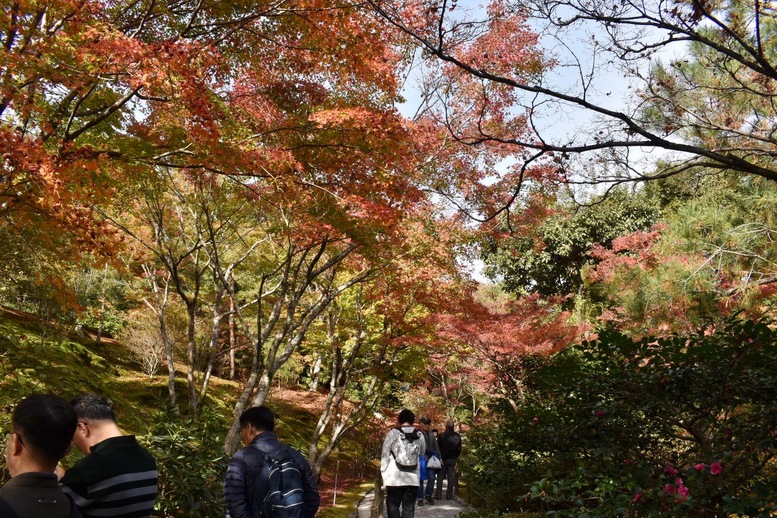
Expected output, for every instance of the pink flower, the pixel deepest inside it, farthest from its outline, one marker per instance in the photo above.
(637, 496)
(669, 470)
(599, 413)
(535, 421)
(699, 467)
(716, 468)
(678, 489)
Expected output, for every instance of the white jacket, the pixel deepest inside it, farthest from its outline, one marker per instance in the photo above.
(392, 475)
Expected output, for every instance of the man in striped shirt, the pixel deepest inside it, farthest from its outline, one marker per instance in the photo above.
(118, 477)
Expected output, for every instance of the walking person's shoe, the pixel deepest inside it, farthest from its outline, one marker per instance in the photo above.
(419, 503)
(430, 499)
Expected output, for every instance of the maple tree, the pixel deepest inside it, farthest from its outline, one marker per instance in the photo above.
(378, 336)
(158, 301)
(363, 364)
(275, 270)
(459, 376)
(96, 94)
(223, 254)
(293, 103)
(183, 231)
(501, 334)
(24, 262)
(710, 107)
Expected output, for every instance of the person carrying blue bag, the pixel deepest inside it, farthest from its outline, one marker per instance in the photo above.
(428, 474)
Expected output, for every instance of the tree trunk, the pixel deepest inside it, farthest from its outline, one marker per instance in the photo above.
(213, 350)
(159, 310)
(232, 338)
(170, 362)
(315, 374)
(191, 347)
(262, 388)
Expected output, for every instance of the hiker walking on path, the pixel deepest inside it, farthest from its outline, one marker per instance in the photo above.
(450, 450)
(400, 466)
(431, 450)
(268, 474)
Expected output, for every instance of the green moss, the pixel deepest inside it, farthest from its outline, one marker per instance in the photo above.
(347, 501)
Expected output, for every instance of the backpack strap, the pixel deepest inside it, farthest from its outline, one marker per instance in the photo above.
(6, 510)
(399, 429)
(414, 434)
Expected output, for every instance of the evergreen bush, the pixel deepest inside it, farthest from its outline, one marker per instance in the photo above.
(191, 463)
(684, 425)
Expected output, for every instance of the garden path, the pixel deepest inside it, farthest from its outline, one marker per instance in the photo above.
(441, 508)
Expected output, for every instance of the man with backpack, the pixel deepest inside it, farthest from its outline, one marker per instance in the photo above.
(400, 466)
(268, 479)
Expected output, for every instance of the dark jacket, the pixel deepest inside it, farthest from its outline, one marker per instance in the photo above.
(431, 444)
(243, 482)
(34, 495)
(118, 479)
(450, 444)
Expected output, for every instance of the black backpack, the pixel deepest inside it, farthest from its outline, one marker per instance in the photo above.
(284, 497)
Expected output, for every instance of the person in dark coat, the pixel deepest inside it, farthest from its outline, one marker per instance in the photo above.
(244, 484)
(431, 449)
(42, 433)
(450, 449)
(117, 477)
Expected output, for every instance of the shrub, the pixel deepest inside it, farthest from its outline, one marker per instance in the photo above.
(191, 464)
(682, 425)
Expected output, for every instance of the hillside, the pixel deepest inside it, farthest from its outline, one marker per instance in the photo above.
(40, 356)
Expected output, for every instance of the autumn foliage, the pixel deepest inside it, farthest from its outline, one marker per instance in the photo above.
(287, 99)
(247, 173)
(497, 331)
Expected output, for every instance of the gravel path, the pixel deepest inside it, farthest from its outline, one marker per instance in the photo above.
(441, 508)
